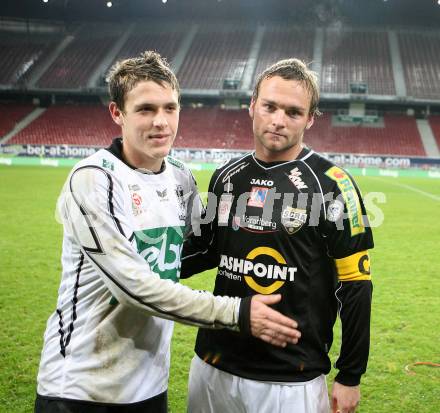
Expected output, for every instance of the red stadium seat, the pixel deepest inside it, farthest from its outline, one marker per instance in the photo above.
(70, 125)
(212, 127)
(11, 113)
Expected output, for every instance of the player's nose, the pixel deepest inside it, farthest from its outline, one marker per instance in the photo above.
(279, 119)
(160, 120)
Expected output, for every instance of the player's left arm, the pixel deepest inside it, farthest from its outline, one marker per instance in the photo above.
(349, 239)
(354, 295)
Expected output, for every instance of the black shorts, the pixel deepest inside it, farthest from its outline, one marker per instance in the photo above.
(43, 404)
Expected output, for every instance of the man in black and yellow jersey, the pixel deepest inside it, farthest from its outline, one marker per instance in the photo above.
(284, 220)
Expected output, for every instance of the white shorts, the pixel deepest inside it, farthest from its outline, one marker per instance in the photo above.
(214, 391)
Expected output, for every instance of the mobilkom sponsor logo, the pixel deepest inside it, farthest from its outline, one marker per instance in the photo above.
(162, 249)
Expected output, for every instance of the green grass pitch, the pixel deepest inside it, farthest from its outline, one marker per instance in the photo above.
(406, 303)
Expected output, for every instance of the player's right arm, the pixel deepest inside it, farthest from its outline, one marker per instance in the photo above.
(93, 215)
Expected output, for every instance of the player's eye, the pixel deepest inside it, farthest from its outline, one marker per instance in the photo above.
(293, 113)
(145, 109)
(269, 107)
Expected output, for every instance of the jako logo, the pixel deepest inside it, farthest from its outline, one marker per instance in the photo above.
(263, 182)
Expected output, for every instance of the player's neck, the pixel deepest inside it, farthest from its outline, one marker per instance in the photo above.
(265, 155)
(139, 161)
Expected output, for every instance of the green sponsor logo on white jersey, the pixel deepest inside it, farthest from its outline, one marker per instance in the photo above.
(161, 248)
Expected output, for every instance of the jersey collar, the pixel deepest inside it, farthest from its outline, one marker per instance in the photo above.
(304, 154)
(116, 149)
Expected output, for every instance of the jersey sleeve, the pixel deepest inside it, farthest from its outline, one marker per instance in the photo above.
(200, 247)
(348, 238)
(93, 214)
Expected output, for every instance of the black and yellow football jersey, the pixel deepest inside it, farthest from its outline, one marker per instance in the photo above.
(297, 228)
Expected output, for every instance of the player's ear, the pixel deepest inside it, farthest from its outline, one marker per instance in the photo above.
(115, 113)
(310, 121)
(251, 108)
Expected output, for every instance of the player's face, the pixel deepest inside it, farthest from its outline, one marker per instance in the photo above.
(280, 116)
(149, 123)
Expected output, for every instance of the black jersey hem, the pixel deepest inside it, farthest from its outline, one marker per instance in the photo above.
(288, 377)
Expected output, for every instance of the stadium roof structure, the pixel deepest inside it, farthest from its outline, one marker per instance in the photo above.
(322, 12)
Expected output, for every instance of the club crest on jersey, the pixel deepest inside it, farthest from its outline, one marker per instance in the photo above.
(293, 219)
(258, 196)
(136, 203)
(295, 178)
(261, 182)
(335, 210)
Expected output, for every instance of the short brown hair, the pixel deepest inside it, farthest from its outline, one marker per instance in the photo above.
(293, 69)
(125, 74)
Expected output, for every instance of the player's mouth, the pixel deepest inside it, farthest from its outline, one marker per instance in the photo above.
(275, 135)
(160, 137)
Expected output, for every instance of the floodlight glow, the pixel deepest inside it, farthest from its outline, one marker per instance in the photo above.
(45, 1)
(164, 1)
(109, 4)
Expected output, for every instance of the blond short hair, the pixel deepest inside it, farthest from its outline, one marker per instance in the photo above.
(293, 69)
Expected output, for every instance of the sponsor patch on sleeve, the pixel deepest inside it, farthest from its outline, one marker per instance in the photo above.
(355, 267)
(351, 199)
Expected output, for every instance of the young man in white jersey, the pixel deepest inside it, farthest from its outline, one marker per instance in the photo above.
(291, 222)
(125, 211)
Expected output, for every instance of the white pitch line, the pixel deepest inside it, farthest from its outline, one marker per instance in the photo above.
(412, 188)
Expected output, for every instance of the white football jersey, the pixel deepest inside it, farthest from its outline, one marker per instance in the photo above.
(109, 338)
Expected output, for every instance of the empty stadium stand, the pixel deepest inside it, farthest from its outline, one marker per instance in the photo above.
(11, 113)
(283, 42)
(421, 61)
(357, 56)
(434, 122)
(207, 54)
(400, 136)
(219, 52)
(212, 127)
(216, 53)
(76, 63)
(164, 42)
(71, 125)
(20, 53)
